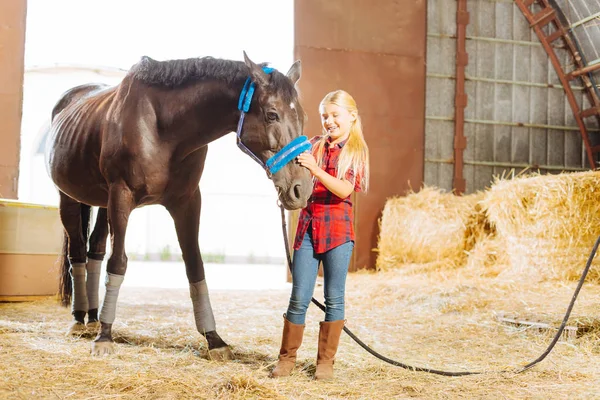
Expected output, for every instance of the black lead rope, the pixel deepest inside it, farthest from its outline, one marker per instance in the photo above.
(450, 373)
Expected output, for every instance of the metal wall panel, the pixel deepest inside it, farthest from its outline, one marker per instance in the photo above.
(440, 89)
(517, 114)
(376, 52)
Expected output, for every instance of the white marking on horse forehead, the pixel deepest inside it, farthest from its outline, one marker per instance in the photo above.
(292, 105)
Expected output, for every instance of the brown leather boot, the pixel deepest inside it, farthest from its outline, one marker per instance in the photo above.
(290, 342)
(329, 339)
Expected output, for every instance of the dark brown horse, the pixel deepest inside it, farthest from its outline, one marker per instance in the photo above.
(145, 142)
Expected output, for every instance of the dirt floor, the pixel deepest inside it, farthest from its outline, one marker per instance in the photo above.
(421, 316)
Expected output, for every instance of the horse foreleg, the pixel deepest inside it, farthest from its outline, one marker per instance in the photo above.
(187, 218)
(95, 255)
(120, 205)
(74, 217)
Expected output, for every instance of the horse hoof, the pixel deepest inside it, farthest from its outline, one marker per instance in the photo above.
(76, 329)
(220, 354)
(93, 326)
(102, 348)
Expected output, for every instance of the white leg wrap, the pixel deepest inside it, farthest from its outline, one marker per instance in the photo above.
(109, 305)
(80, 300)
(93, 268)
(203, 314)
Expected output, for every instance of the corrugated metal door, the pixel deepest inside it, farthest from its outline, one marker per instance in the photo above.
(517, 116)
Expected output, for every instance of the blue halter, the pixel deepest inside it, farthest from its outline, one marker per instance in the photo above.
(283, 156)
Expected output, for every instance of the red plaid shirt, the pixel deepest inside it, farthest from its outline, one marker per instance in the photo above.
(330, 217)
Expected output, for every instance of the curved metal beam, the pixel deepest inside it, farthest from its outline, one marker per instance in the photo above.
(583, 66)
(553, 15)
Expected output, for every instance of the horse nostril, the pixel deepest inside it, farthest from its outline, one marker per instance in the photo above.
(297, 192)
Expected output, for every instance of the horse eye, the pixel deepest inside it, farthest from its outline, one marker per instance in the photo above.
(272, 116)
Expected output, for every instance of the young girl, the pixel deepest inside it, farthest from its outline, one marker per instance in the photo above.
(339, 163)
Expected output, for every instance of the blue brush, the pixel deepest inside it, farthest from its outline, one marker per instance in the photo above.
(288, 153)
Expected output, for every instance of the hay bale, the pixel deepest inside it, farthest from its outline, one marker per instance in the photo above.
(548, 223)
(488, 256)
(429, 226)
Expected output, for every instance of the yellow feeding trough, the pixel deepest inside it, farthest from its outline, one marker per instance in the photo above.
(30, 243)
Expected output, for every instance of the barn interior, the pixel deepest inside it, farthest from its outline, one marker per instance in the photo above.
(483, 124)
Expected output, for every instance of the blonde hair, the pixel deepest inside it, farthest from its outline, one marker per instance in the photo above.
(355, 153)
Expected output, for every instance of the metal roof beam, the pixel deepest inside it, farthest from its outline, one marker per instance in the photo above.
(583, 21)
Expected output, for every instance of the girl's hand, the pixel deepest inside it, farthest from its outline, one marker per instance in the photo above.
(308, 161)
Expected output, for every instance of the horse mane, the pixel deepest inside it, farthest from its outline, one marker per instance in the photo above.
(175, 73)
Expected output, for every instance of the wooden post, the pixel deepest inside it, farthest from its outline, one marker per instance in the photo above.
(12, 54)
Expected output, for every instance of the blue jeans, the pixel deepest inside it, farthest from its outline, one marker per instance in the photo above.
(304, 276)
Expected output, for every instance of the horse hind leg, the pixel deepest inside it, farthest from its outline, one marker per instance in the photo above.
(97, 250)
(187, 217)
(75, 219)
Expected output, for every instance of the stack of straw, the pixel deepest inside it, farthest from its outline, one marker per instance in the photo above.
(547, 223)
(429, 226)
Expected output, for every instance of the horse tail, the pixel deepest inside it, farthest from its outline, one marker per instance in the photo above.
(66, 284)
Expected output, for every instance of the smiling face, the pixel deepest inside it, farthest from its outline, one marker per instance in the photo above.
(336, 121)
(275, 119)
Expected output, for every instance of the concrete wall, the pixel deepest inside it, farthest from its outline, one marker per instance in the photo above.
(12, 50)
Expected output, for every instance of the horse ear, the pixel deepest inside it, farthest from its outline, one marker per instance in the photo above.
(295, 72)
(256, 73)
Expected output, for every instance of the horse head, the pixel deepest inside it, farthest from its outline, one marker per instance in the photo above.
(274, 119)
